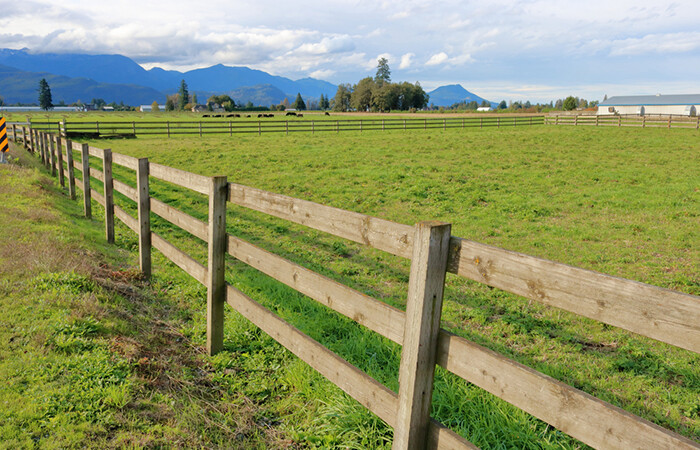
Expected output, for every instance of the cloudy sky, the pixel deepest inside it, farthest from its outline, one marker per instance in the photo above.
(537, 50)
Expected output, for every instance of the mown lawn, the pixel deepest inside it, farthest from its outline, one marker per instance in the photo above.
(620, 201)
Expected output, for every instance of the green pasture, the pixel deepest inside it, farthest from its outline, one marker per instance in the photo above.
(625, 202)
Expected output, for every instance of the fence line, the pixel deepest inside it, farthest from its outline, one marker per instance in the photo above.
(243, 126)
(662, 314)
(632, 120)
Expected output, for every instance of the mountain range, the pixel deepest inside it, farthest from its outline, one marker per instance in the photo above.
(117, 78)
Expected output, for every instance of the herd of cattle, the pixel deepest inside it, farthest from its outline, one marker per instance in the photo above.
(261, 115)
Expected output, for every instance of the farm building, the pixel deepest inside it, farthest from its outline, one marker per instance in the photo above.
(682, 105)
(147, 108)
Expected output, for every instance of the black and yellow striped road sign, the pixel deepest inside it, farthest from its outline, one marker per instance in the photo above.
(4, 144)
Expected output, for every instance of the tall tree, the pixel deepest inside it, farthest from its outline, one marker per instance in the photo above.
(45, 100)
(170, 102)
(299, 104)
(184, 95)
(362, 94)
(570, 103)
(341, 101)
(154, 106)
(383, 72)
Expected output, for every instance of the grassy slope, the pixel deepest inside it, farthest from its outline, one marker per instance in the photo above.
(90, 356)
(617, 201)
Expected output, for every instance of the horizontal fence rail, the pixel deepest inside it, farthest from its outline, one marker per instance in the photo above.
(618, 120)
(665, 315)
(275, 125)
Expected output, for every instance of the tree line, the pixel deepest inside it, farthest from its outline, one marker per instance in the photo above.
(379, 94)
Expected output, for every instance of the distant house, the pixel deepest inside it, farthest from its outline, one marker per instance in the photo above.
(108, 108)
(147, 108)
(199, 108)
(682, 105)
(484, 109)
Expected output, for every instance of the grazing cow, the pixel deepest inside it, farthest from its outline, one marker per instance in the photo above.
(205, 115)
(236, 115)
(326, 113)
(247, 115)
(300, 115)
(231, 115)
(216, 115)
(259, 116)
(291, 113)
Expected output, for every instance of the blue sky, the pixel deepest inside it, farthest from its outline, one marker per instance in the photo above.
(503, 49)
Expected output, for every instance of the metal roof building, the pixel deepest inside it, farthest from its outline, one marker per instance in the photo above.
(685, 105)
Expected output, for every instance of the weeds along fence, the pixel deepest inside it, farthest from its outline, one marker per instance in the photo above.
(665, 315)
(670, 121)
(270, 125)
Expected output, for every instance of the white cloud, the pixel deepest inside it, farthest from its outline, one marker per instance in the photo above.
(321, 74)
(436, 59)
(406, 60)
(657, 43)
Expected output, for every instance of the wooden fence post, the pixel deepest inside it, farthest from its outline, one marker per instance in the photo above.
(52, 151)
(87, 196)
(40, 145)
(63, 130)
(596, 119)
(644, 121)
(576, 120)
(216, 283)
(59, 154)
(108, 194)
(619, 120)
(14, 133)
(167, 124)
(230, 128)
(498, 122)
(423, 309)
(697, 125)
(200, 129)
(71, 170)
(24, 138)
(669, 121)
(144, 213)
(259, 128)
(133, 127)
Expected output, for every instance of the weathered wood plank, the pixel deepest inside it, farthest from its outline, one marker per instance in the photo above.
(96, 152)
(98, 197)
(582, 416)
(180, 258)
(441, 437)
(126, 161)
(370, 393)
(71, 170)
(97, 174)
(59, 157)
(87, 204)
(431, 244)
(662, 314)
(216, 258)
(180, 219)
(125, 189)
(385, 235)
(144, 216)
(126, 219)
(198, 183)
(108, 189)
(363, 309)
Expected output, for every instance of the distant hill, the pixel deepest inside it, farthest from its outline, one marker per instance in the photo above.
(19, 86)
(118, 69)
(454, 93)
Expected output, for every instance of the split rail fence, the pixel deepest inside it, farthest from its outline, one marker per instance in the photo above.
(246, 126)
(669, 121)
(665, 315)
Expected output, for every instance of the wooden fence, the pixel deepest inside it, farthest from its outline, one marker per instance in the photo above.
(670, 121)
(662, 314)
(246, 126)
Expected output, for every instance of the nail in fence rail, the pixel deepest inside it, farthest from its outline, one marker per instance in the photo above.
(577, 413)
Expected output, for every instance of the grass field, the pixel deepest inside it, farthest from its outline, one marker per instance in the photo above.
(620, 201)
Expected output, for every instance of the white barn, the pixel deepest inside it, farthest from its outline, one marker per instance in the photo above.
(681, 105)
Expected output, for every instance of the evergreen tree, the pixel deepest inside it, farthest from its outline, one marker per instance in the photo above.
(170, 102)
(184, 95)
(299, 104)
(45, 100)
(383, 72)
